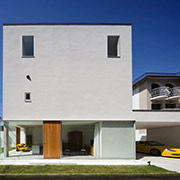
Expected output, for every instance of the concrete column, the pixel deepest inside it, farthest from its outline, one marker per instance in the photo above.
(23, 136)
(163, 105)
(97, 140)
(6, 139)
(177, 104)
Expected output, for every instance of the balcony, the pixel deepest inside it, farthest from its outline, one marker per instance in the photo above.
(160, 93)
(165, 93)
(174, 93)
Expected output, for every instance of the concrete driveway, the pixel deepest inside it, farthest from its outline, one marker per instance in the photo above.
(172, 164)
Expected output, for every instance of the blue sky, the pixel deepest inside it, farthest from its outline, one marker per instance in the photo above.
(156, 25)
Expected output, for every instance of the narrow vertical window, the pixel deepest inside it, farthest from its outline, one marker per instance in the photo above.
(27, 97)
(28, 46)
(113, 46)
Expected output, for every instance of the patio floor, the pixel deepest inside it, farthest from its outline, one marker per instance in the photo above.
(23, 155)
(27, 158)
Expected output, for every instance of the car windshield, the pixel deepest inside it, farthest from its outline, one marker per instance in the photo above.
(154, 143)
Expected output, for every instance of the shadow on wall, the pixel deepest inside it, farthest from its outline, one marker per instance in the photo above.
(143, 138)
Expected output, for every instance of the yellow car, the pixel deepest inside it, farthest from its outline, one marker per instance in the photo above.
(157, 149)
(22, 147)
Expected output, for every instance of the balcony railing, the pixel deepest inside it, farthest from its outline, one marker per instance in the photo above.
(175, 91)
(165, 92)
(160, 91)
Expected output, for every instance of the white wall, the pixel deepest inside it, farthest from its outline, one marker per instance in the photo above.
(169, 136)
(157, 116)
(72, 78)
(141, 135)
(118, 140)
(136, 98)
(22, 136)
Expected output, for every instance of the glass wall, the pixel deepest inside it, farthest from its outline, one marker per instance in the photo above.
(1, 140)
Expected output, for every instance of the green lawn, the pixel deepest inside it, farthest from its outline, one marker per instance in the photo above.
(82, 170)
(10, 149)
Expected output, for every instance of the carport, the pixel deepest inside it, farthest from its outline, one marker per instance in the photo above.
(161, 126)
(164, 127)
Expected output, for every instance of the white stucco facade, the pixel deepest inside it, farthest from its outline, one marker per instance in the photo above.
(71, 76)
(135, 98)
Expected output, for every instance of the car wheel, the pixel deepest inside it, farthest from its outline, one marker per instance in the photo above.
(155, 152)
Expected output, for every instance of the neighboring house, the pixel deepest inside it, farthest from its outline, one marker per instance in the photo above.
(156, 104)
(68, 87)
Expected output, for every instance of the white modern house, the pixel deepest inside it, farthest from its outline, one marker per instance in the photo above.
(68, 87)
(67, 91)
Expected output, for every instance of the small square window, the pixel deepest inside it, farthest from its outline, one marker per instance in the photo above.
(27, 97)
(113, 46)
(27, 46)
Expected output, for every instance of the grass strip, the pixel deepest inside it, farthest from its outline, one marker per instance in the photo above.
(10, 149)
(82, 170)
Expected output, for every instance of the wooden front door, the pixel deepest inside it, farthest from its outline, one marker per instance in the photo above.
(17, 137)
(52, 139)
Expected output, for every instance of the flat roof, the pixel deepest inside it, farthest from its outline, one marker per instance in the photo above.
(95, 24)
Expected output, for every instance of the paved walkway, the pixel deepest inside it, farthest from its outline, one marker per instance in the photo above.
(68, 161)
(172, 164)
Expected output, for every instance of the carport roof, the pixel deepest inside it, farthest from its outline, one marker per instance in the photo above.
(146, 119)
